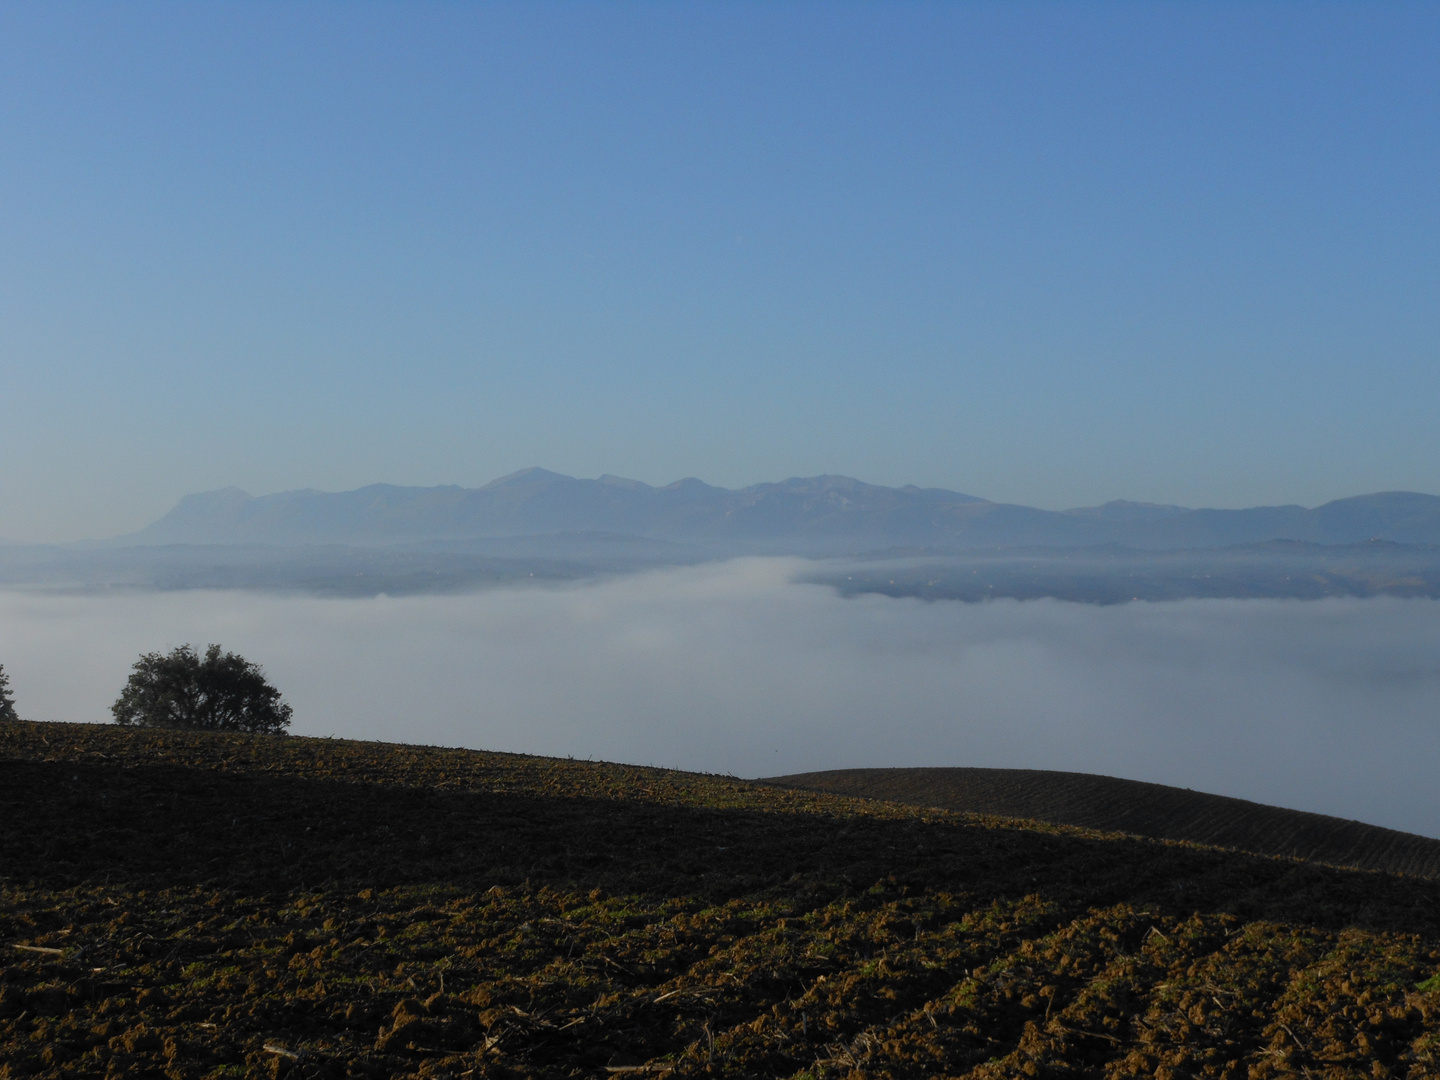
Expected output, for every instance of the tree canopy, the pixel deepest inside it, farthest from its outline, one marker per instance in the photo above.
(7, 699)
(219, 691)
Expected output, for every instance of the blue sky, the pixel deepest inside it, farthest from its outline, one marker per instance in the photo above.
(1044, 253)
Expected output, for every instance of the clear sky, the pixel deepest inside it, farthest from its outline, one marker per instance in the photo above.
(1045, 253)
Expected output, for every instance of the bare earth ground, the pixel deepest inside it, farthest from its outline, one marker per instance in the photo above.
(196, 905)
(1130, 806)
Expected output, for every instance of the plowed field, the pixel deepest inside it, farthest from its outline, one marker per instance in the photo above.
(1129, 806)
(213, 906)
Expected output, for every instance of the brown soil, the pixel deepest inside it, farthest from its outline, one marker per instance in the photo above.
(1129, 806)
(196, 905)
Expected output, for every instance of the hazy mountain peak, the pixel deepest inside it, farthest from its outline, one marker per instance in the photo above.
(1128, 510)
(225, 494)
(533, 475)
(221, 500)
(692, 492)
(811, 484)
(940, 493)
(622, 482)
(1411, 500)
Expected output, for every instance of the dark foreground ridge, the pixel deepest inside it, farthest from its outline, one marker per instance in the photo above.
(199, 905)
(1130, 806)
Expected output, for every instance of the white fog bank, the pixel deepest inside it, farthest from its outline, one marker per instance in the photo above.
(1332, 705)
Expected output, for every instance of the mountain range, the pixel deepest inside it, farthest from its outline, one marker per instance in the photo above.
(816, 515)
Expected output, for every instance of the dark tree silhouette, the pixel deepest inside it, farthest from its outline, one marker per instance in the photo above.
(217, 692)
(7, 699)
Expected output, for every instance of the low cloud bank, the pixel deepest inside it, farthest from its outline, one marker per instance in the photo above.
(1330, 705)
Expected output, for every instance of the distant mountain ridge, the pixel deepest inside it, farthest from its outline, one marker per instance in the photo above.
(800, 515)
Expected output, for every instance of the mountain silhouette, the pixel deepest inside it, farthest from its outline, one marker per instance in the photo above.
(800, 515)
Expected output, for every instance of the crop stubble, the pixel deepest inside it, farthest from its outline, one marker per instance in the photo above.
(201, 905)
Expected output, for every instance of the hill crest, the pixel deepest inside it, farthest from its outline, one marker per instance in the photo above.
(1112, 804)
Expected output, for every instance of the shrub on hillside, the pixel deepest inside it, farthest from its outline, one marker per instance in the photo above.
(219, 691)
(7, 699)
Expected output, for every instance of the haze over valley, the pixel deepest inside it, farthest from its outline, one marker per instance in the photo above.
(539, 526)
(1281, 654)
(740, 667)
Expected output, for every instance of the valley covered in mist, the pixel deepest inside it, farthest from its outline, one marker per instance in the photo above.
(748, 667)
(1282, 655)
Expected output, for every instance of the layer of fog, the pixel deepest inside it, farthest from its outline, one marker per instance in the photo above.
(1329, 705)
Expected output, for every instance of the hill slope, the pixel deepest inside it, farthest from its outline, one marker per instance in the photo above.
(223, 906)
(1130, 806)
